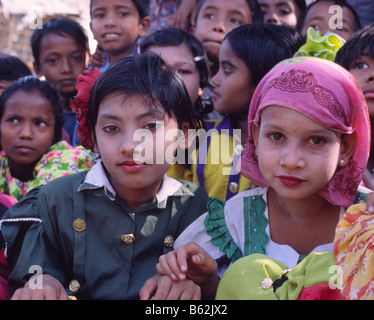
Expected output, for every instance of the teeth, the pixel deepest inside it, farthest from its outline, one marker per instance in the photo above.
(111, 35)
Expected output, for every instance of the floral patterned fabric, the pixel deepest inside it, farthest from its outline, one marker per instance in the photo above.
(61, 159)
(354, 252)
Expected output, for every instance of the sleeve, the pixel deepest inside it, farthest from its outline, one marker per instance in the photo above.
(354, 252)
(61, 160)
(29, 249)
(210, 232)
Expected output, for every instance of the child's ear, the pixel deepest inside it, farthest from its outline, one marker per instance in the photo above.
(93, 139)
(347, 148)
(255, 134)
(144, 26)
(188, 136)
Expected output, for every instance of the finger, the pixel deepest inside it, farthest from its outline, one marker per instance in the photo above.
(164, 286)
(165, 262)
(149, 287)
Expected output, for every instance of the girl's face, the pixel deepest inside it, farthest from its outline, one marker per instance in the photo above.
(280, 12)
(363, 70)
(27, 127)
(233, 83)
(218, 17)
(321, 19)
(181, 59)
(131, 139)
(296, 155)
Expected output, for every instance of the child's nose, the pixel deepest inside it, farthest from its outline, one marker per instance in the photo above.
(292, 157)
(26, 132)
(110, 20)
(219, 26)
(271, 17)
(128, 144)
(66, 66)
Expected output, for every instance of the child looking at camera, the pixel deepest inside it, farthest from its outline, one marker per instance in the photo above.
(108, 226)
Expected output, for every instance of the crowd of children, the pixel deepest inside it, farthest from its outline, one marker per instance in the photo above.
(196, 154)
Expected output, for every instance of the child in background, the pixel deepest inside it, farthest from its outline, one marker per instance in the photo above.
(357, 56)
(246, 55)
(308, 143)
(184, 53)
(60, 51)
(11, 69)
(31, 120)
(117, 26)
(282, 12)
(103, 231)
(317, 15)
(215, 18)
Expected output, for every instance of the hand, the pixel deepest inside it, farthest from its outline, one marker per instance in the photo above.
(98, 59)
(163, 288)
(183, 16)
(189, 261)
(52, 290)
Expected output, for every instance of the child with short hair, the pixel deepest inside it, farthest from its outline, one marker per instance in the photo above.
(11, 69)
(308, 143)
(117, 26)
(357, 56)
(104, 230)
(31, 120)
(318, 16)
(60, 50)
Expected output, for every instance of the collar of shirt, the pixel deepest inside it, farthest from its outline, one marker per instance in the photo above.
(96, 178)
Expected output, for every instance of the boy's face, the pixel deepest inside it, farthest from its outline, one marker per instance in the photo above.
(61, 60)
(116, 25)
(319, 18)
(130, 138)
(363, 70)
(215, 19)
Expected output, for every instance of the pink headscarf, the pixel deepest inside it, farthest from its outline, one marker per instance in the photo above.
(326, 93)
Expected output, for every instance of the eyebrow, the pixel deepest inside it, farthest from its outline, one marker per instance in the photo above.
(216, 8)
(150, 113)
(228, 63)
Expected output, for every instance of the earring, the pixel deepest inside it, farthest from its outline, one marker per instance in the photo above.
(342, 162)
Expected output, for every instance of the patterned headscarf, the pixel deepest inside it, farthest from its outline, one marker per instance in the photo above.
(326, 93)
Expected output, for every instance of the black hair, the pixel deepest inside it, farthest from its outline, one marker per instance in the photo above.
(342, 3)
(143, 7)
(61, 27)
(252, 4)
(261, 46)
(12, 68)
(149, 76)
(175, 37)
(301, 4)
(47, 90)
(355, 45)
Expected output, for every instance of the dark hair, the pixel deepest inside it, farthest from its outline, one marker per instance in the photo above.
(143, 7)
(355, 45)
(175, 37)
(12, 68)
(301, 4)
(47, 90)
(342, 3)
(61, 27)
(252, 4)
(149, 76)
(261, 46)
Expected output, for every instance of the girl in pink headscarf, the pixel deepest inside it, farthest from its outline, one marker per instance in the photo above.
(307, 148)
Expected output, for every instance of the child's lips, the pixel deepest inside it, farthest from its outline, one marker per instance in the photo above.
(290, 181)
(132, 166)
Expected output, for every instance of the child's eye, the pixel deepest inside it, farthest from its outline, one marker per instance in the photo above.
(361, 65)
(12, 120)
(41, 123)
(235, 21)
(78, 58)
(209, 15)
(123, 14)
(154, 125)
(317, 141)
(52, 60)
(99, 15)
(276, 136)
(110, 129)
(184, 71)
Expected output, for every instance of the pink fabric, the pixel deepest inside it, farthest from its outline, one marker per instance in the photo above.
(328, 94)
(320, 292)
